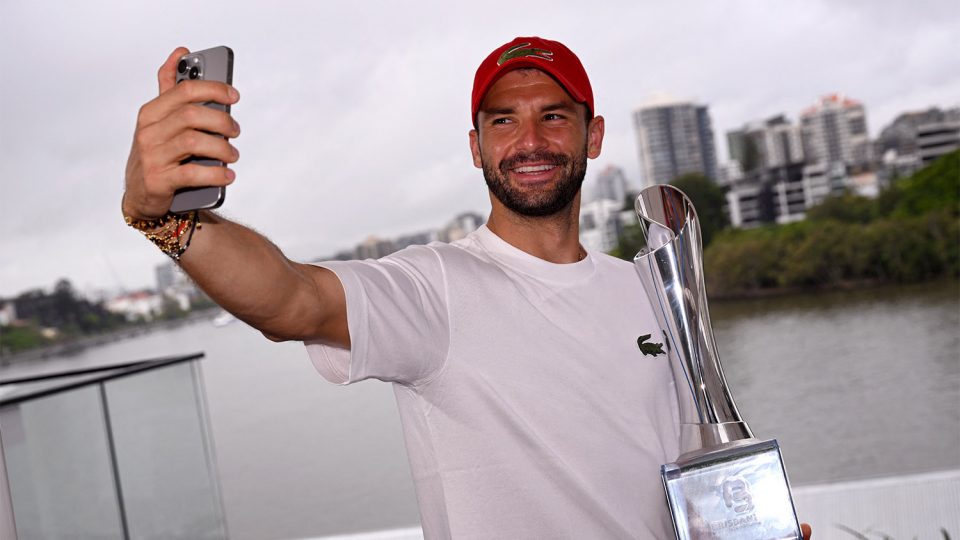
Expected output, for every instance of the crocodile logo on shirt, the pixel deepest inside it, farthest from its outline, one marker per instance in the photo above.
(524, 49)
(651, 349)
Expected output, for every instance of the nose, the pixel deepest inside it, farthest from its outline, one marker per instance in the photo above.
(531, 137)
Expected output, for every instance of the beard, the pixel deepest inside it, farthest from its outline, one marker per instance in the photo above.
(539, 201)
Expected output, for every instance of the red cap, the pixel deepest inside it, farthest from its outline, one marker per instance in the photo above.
(551, 57)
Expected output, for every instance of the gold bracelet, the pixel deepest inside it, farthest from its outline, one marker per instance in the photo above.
(145, 225)
(167, 231)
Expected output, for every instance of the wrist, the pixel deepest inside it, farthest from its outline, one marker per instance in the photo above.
(171, 232)
(131, 213)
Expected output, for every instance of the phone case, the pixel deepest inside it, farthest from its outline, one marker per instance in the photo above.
(214, 64)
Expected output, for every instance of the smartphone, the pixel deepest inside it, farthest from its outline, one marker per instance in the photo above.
(214, 64)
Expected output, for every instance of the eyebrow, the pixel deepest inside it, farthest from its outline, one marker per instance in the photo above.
(499, 110)
(558, 106)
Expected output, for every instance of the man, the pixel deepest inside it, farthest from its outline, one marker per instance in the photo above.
(528, 409)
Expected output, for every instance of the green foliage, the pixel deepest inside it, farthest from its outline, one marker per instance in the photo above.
(202, 302)
(913, 249)
(823, 254)
(910, 233)
(65, 310)
(932, 188)
(630, 243)
(708, 199)
(171, 309)
(747, 260)
(14, 339)
(71, 316)
(848, 208)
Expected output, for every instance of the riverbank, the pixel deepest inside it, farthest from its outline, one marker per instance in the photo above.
(839, 288)
(78, 344)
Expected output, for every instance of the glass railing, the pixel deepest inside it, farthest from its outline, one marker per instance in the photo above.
(117, 452)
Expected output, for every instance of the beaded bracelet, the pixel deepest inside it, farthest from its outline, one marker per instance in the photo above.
(167, 231)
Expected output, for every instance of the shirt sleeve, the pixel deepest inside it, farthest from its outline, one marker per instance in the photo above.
(398, 319)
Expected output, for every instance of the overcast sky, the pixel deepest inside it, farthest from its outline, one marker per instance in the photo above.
(355, 115)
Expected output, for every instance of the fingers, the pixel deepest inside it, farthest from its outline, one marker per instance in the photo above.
(805, 529)
(199, 91)
(167, 74)
(193, 175)
(186, 93)
(152, 197)
(189, 143)
(188, 117)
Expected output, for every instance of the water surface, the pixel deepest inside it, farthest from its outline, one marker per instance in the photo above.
(854, 385)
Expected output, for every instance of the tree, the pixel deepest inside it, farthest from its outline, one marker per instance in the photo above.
(934, 187)
(630, 243)
(708, 199)
(846, 208)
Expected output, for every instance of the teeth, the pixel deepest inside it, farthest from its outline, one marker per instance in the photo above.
(533, 168)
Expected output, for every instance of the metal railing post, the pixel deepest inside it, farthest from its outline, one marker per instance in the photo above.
(111, 449)
(8, 527)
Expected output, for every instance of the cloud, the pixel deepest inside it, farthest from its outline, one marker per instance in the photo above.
(355, 118)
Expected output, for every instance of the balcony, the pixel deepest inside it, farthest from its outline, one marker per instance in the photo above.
(114, 452)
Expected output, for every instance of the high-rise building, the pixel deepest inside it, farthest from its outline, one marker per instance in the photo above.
(170, 279)
(601, 224)
(729, 173)
(821, 181)
(461, 226)
(765, 174)
(774, 142)
(674, 138)
(168, 275)
(913, 140)
(901, 134)
(937, 139)
(611, 185)
(768, 195)
(374, 248)
(835, 131)
(172, 283)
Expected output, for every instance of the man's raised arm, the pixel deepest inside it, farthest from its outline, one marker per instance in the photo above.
(240, 269)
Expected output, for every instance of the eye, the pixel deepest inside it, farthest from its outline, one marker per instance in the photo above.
(500, 120)
(553, 116)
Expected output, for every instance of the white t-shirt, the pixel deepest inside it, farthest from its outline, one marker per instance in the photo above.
(528, 409)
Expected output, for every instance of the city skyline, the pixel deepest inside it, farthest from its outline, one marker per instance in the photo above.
(349, 131)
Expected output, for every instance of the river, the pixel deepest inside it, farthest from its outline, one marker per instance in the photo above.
(854, 384)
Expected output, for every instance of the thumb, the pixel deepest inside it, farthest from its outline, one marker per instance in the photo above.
(167, 75)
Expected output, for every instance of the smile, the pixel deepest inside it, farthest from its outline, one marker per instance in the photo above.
(533, 168)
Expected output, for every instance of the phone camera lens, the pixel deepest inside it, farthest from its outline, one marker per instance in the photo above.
(182, 66)
(194, 72)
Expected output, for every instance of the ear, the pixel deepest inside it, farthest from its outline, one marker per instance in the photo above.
(475, 148)
(594, 137)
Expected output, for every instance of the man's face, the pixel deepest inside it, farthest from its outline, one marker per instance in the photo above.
(532, 142)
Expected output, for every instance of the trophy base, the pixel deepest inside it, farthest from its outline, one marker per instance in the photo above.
(735, 491)
(695, 437)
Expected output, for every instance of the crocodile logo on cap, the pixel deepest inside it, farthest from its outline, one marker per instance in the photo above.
(522, 50)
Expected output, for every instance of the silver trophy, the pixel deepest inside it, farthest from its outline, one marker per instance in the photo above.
(725, 484)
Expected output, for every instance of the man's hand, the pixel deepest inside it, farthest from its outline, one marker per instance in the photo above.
(170, 128)
(805, 529)
(237, 267)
